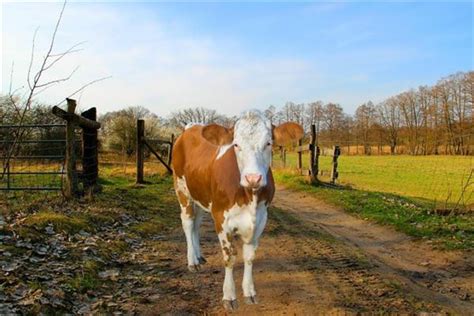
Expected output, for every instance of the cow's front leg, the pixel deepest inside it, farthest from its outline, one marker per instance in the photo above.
(228, 251)
(248, 287)
(249, 249)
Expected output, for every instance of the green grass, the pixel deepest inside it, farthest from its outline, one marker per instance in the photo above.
(411, 216)
(439, 179)
(84, 282)
(60, 222)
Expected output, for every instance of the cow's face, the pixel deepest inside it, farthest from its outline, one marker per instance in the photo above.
(251, 139)
(252, 144)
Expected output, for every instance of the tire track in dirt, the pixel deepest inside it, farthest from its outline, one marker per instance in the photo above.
(443, 277)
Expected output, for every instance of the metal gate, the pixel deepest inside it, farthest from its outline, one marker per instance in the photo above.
(32, 157)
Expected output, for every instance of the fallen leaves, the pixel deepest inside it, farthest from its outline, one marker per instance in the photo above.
(109, 274)
(108, 269)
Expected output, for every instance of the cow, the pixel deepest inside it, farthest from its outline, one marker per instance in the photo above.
(226, 172)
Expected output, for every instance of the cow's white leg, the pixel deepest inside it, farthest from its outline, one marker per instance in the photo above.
(228, 251)
(188, 217)
(247, 282)
(198, 214)
(248, 250)
(187, 221)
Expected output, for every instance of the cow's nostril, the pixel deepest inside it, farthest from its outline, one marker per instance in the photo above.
(253, 178)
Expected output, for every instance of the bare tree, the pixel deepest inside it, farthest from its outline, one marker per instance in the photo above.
(36, 85)
(270, 113)
(365, 119)
(390, 119)
(333, 121)
(119, 128)
(198, 115)
(314, 114)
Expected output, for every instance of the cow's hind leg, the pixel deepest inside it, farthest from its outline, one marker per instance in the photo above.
(188, 219)
(198, 214)
(228, 251)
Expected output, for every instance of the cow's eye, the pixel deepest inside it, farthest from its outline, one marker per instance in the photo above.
(236, 145)
(269, 144)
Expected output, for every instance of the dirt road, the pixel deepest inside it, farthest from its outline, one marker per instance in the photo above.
(315, 259)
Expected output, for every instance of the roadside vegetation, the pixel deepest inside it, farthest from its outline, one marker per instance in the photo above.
(58, 256)
(415, 217)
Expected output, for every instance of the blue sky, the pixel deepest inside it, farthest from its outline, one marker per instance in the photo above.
(240, 55)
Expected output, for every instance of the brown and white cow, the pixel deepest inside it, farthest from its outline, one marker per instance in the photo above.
(227, 172)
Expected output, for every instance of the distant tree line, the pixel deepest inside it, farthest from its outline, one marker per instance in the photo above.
(428, 120)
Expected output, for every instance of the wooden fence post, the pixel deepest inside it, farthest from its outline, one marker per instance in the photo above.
(90, 146)
(334, 173)
(300, 155)
(70, 187)
(8, 176)
(170, 150)
(140, 137)
(90, 159)
(312, 155)
(316, 160)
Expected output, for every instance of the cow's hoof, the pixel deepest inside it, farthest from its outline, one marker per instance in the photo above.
(230, 305)
(194, 268)
(250, 300)
(202, 260)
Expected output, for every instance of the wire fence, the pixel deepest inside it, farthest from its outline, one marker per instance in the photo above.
(432, 146)
(33, 162)
(445, 181)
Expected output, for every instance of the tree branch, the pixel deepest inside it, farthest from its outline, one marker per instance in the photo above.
(71, 50)
(82, 88)
(57, 80)
(31, 58)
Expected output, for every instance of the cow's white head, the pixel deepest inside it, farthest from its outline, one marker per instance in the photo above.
(252, 138)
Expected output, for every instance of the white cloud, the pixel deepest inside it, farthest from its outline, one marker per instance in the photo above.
(150, 63)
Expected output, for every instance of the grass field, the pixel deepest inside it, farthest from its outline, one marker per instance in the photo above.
(439, 179)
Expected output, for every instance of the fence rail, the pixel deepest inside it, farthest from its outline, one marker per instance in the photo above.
(32, 125)
(35, 157)
(21, 158)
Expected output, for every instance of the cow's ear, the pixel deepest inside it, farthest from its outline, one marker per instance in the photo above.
(287, 133)
(218, 135)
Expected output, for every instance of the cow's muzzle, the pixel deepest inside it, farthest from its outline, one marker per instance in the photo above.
(254, 180)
